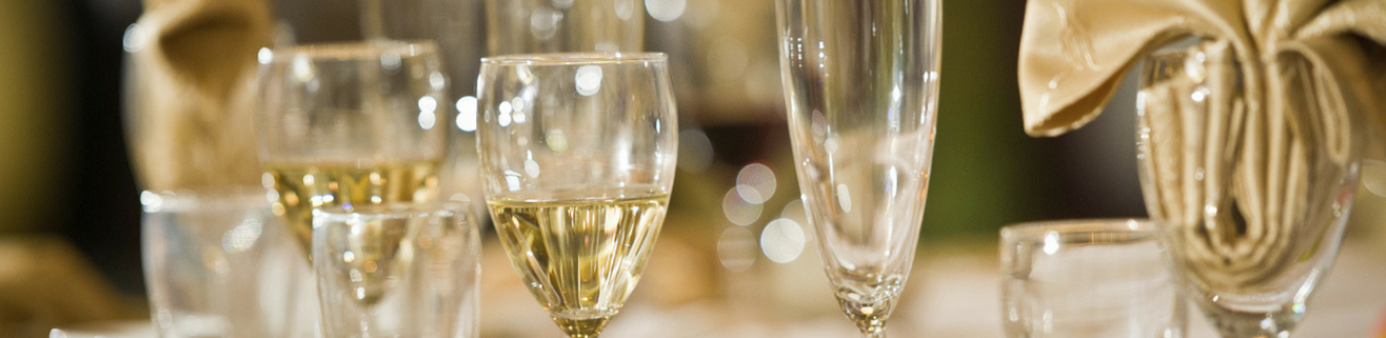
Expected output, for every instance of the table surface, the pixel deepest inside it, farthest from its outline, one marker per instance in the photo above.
(953, 295)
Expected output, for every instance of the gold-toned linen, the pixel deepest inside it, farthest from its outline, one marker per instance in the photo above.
(1073, 53)
(1309, 76)
(190, 108)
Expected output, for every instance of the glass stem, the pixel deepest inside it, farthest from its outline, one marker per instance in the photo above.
(869, 317)
(874, 332)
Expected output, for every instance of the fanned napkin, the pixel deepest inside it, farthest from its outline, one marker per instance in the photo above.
(1312, 73)
(189, 119)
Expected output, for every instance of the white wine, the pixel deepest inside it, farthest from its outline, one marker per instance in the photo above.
(304, 186)
(580, 257)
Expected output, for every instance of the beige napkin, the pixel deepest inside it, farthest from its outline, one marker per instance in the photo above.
(190, 109)
(1313, 72)
(1073, 53)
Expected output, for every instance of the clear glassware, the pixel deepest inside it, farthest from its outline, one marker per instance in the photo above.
(861, 85)
(564, 26)
(578, 154)
(398, 270)
(1088, 278)
(350, 124)
(1251, 199)
(214, 267)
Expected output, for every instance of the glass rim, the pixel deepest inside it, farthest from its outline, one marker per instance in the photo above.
(207, 198)
(390, 210)
(570, 59)
(1072, 226)
(1183, 50)
(347, 50)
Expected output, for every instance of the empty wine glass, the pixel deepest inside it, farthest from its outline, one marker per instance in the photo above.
(578, 154)
(861, 85)
(1252, 190)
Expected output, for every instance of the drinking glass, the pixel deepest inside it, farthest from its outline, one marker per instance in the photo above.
(1248, 188)
(861, 86)
(564, 26)
(350, 124)
(578, 154)
(213, 262)
(398, 270)
(1088, 278)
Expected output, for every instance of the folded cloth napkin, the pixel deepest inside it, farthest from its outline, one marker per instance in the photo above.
(1293, 83)
(1073, 53)
(190, 109)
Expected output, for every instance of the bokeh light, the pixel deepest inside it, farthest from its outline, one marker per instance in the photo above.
(695, 150)
(466, 113)
(756, 183)
(666, 10)
(740, 211)
(782, 240)
(736, 248)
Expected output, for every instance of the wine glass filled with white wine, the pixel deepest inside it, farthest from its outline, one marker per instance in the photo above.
(577, 154)
(350, 124)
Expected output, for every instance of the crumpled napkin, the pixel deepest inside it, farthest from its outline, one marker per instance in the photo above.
(189, 112)
(1308, 75)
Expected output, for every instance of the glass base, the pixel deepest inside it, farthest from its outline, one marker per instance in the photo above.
(582, 328)
(1247, 325)
(870, 317)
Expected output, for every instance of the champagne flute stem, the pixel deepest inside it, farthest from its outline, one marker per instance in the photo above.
(869, 317)
(874, 332)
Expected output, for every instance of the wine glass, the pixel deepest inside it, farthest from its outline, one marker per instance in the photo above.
(1253, 191)
(577, 154)
(350, 124)
(861, 85)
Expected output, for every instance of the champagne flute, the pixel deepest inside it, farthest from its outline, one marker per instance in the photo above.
(1251, 197)
(578, 153)
(350, 124)
(861, 85)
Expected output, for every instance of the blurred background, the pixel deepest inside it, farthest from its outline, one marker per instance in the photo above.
(70, 212)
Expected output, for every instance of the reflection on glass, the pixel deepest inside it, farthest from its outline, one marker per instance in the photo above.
(578, 153)
(861, 87)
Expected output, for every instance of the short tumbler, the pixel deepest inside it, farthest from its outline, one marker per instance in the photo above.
(398, 270)
(215, 267)
(1088, 278)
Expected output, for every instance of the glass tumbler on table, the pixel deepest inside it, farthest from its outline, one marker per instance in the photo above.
(578, 154)
(214, 264)
(350, 124)
(861, 86)
(398, 270)
(1088, 278)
